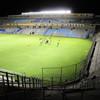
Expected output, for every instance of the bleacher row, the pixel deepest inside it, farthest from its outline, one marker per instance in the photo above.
(47, 20)
(66, 32)
(43, 20)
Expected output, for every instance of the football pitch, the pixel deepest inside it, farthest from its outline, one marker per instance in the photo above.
(29, 54)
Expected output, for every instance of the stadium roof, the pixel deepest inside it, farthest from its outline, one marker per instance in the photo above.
(13, 7)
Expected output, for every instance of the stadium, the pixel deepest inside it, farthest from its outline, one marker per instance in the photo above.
(47, 54)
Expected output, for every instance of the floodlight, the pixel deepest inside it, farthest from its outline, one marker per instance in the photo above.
(56, 12)
(48, 12)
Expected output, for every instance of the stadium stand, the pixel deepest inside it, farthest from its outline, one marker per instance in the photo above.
(69, 30)
(40, 31)
(9, 30)
(65, 32)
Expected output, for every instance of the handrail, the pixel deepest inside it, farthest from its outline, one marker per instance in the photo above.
(11, 79)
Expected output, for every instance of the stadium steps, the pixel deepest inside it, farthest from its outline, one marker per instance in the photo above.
(95, 65)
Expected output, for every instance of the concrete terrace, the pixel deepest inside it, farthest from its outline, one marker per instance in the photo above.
(95, 63)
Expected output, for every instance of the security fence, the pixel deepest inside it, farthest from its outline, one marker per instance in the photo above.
(61, 75)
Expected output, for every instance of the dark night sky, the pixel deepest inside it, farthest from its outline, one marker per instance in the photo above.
(8, 7)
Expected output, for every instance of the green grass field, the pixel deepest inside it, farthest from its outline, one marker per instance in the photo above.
(26, 54)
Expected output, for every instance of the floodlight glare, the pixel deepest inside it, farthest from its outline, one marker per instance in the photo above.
(48, 12)
(56, 12)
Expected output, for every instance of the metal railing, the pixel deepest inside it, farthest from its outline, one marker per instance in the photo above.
(10, 79)
(54, 76)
